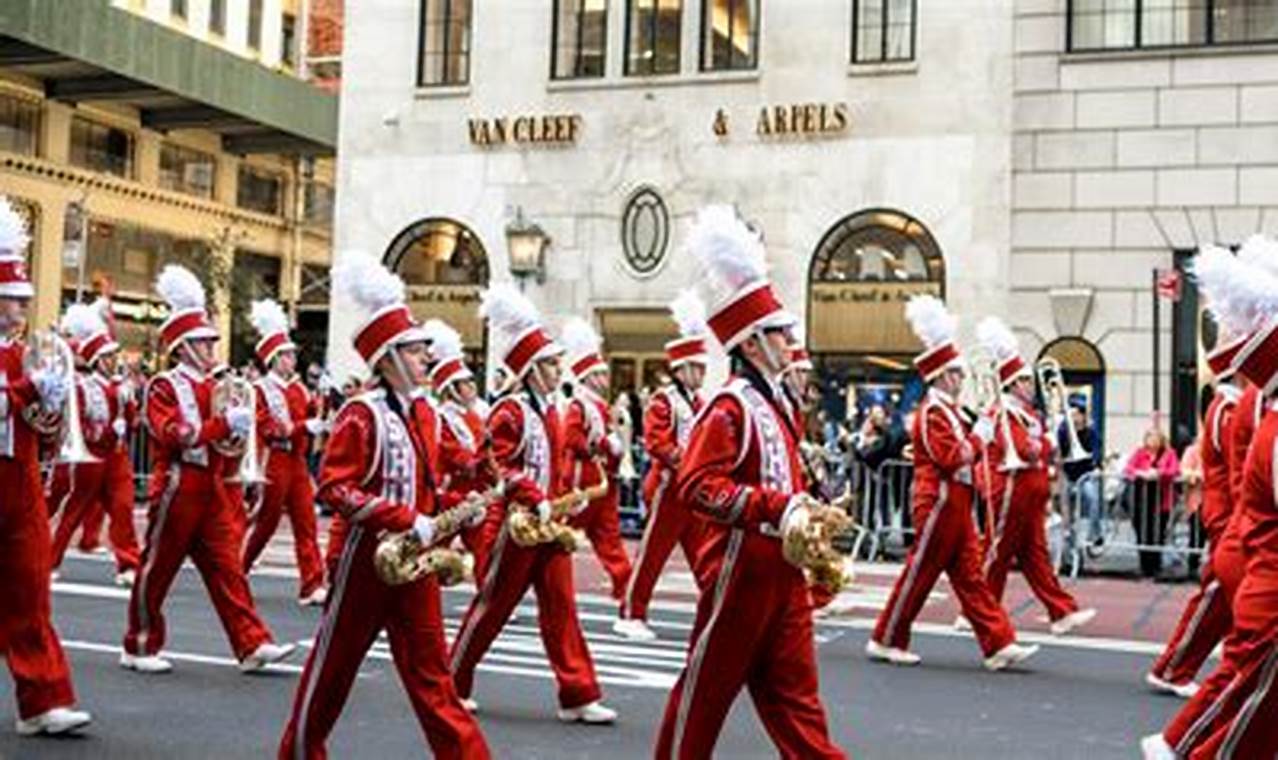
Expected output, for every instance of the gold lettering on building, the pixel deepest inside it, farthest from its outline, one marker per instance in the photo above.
(802, 119)
(548, 130)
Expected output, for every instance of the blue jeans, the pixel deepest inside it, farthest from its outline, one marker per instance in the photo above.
(1086, 493)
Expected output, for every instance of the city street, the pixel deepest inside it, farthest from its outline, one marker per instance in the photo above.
(1081, 697)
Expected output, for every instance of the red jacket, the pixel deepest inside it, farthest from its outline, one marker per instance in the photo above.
(465, 456)
(100, 407)
(589, 449)
(19, 442)
(282, 410)
(944, 449)
(528, 446)
(1033, 446)
(667, 425)
(1260, 534)
(177, 411)
(1243, 425)
(1217, 503)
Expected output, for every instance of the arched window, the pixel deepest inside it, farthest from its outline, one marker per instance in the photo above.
(1084, 369)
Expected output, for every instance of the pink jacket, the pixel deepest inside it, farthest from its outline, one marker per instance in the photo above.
(1166, 464)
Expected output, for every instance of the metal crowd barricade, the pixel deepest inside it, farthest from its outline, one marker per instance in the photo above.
(883, 503)
(140, 456)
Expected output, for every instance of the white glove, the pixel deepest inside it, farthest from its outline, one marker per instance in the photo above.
(984, 430)
(615, 445)
(798, 504)
(240, 420)
(315, 426)
(52, 388)
(543, 511)
(424, 527)
(119, 427)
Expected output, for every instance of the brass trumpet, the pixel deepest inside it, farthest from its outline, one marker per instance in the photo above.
(625, 428)
(808, 540)
(526, 529)
(235, 391)
(1052, 380)
(991, 395)
(46, 351)
(402, 558)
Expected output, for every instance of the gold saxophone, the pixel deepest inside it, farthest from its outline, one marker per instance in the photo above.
(402, 558)
(526, 529)
(808, 540)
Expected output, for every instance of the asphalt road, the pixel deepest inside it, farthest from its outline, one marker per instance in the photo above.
(1079, 700)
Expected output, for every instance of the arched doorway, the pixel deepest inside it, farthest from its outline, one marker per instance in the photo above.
(1084, 369)
(863, 271)
(444, 267)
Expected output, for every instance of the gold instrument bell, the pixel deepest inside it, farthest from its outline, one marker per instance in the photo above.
(526, 529)
(402, 558)
(808, 540)
(233, 391)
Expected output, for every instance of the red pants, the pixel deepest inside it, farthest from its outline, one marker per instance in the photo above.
(1020, 536)
(189, 516)
(27, 639)
(359, 607)
(1205, 620)
(288, 489)
(480, 539)
(511, 570)
(753, 629)
(669, 522)
(86, 491)
(601, 523)
(947, 543)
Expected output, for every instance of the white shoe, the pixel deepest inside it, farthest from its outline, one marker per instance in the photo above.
(593, 712)
(1073, 620)
(315, 599)
(126, 578)
(54, 576)
(1009, 655)
(635, 630)
(961, 623)
(893, 655)
(265, 655)
(59, 720)
(471, 705)
(1155, 747)
(1185, 690)
(149, 664)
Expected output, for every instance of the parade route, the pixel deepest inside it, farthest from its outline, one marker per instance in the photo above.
(1081, 697)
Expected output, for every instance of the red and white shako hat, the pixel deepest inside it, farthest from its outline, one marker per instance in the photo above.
(188, 320)
(997, 339)
(584, 349)
(1250, 305)
(1219, 275)
(688, 312)
(514, 317)
(86, 329)
(15, 282)
(936, 328)
(800, 357)
(446, 349)
(735, 272)
(380, 293)
(271, 323)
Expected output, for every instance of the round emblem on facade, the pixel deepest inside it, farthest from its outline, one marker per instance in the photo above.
(645, 231)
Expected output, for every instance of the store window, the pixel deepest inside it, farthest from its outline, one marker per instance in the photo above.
(1130, 24)
(580, 41)
(288, 40)
(883, 30)
(187, 171)
(255, 24)
(653, 36)
(259, 190)
(217, 16)
(317, 204)
(729, 34)
(178, 9)
(444, 44)
(101, 148)
(1083, 368)
(19, 125)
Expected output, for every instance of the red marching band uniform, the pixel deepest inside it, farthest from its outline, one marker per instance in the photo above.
(667, 427)
(380, 473)
(190, 512)
(284, 423)
(944, 453)
(107, 412)
(42, 678)
(1018, 461)
(742, 474)
(527, 443)
(592, 451)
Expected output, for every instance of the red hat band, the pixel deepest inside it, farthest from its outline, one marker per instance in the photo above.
(521, 354)
(731, 323)
(1258, 359)
(800, 358)
(935, 360)
(380, 332)
(684, 350)
(191, 323)
(271, 345)
(1221, 360)
(587, 364)
(1011, 368)
(449, 371)
(95, 346)
(14, 280)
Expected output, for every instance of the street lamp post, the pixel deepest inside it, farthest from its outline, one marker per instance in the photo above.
(526, 244)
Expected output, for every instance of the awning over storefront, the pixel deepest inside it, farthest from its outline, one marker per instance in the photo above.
(87, 51)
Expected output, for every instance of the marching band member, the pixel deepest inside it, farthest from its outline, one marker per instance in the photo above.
(28, 403)
(190, 513)
(667, 424)
(527, 441)
(379, 474)
(741, 472)
(465, 455)
(592, 450)
(1020, 493)
(944, 451)
(284, 425)
(106, 412)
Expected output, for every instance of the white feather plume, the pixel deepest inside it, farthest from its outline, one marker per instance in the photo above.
(13, 229)
(1215, 270)
(368, 283)
(997, 338)
(507, 310)
(579, 338)
(179, 288)
(730, 253)
(1252, 297)
(81, 321)
(930, 320)
(1260, 251)
(445, 342)
(268, 317)
(689, 313)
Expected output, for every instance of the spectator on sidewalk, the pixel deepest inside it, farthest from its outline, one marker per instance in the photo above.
(1191, 477)
(1083, 476)
(1150, 476)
